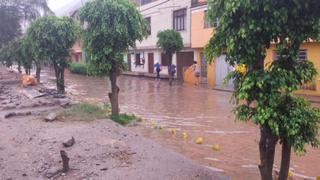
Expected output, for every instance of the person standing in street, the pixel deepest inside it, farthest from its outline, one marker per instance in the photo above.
(158, 68)
(172, 71)
(196, 70)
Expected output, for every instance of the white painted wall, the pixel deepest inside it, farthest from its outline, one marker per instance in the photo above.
(161, 13)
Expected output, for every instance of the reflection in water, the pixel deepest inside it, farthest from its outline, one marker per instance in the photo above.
(197, 111)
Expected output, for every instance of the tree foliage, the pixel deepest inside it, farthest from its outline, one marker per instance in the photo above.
(265, 95)
(111, 28)
(15, 12)
(51, 38)
(170, 41)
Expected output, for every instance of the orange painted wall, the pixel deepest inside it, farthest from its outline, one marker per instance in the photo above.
(200, 36)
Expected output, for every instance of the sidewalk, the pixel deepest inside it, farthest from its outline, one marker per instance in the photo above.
(144, 74)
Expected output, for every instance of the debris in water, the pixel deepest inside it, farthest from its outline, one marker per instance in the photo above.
(216, 147)
(290, 174)
(199, 140)
(173, 131)
(185, 135)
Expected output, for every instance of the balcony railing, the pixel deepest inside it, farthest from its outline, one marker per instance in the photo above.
(196, 3)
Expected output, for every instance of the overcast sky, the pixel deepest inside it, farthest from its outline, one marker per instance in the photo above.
(61, 5)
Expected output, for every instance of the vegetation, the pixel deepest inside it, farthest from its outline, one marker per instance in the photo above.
(170, 41)
(83, 112)
(78, 68)
(51, 38)
(13, 12)
(111, 27)
(124, 119)
(265, 95)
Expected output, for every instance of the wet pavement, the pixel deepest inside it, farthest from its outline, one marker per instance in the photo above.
(197, 111)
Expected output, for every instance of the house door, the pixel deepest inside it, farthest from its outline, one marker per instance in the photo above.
(203, 65)
(184, 60)
(129, 61)
(222, 70)
(150, 62)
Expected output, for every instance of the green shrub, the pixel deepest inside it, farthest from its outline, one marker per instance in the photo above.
(83, 112)
(78, 68)
(124, 119)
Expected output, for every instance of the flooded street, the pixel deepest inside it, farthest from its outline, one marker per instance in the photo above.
(197, 111)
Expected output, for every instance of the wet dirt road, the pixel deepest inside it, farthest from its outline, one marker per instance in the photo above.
(200, 112)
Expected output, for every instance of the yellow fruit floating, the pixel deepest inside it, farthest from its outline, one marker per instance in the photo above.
(216, 147)
(199, 140)
(173, 131)
(290, 174)
(185, 135)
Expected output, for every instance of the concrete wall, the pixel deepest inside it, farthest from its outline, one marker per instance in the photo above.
(200, 35)
(161, 13)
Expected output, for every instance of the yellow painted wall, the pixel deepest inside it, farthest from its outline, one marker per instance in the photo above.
(200, 36)
(313, 53)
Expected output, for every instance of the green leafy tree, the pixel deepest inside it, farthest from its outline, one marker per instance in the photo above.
(15, 12)
(27, 57)
(265, 95)
(170, 41)
(111, 28)
(7, 54)
(51, 38)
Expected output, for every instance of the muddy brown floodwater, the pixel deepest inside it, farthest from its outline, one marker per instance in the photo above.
(198, 111)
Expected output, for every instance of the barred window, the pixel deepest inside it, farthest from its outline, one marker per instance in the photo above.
(179, 19)
(148, 20)
(208, 23)
(303, 55)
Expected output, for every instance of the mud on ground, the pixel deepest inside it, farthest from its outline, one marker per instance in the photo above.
(30, 147)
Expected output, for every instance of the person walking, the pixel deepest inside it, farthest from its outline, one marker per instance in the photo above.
(158, 68)
(196, 70)
(172, 73)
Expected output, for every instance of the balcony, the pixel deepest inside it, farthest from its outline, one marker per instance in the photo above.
(196, 3)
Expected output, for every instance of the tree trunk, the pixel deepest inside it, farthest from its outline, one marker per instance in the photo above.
(267, 147)
(113, 96)
(59, 72)
(285, 161)
(65, 161)
(38, 71)
(19, 67)
(169, 56)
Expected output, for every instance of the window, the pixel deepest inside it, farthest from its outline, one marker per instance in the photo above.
(148, 20)
(179, 19)
(303, 56)
(208, 23)
(164, 60)
(138, 60)
(143, 2)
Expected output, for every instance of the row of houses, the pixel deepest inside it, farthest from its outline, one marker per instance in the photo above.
(188, 18)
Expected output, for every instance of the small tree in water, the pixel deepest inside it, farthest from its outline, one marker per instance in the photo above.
(111, 28)
(265, 94)
(51, 38)
(170, 41)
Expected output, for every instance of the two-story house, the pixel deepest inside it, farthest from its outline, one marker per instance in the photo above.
(214, 73)
(162, 15)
